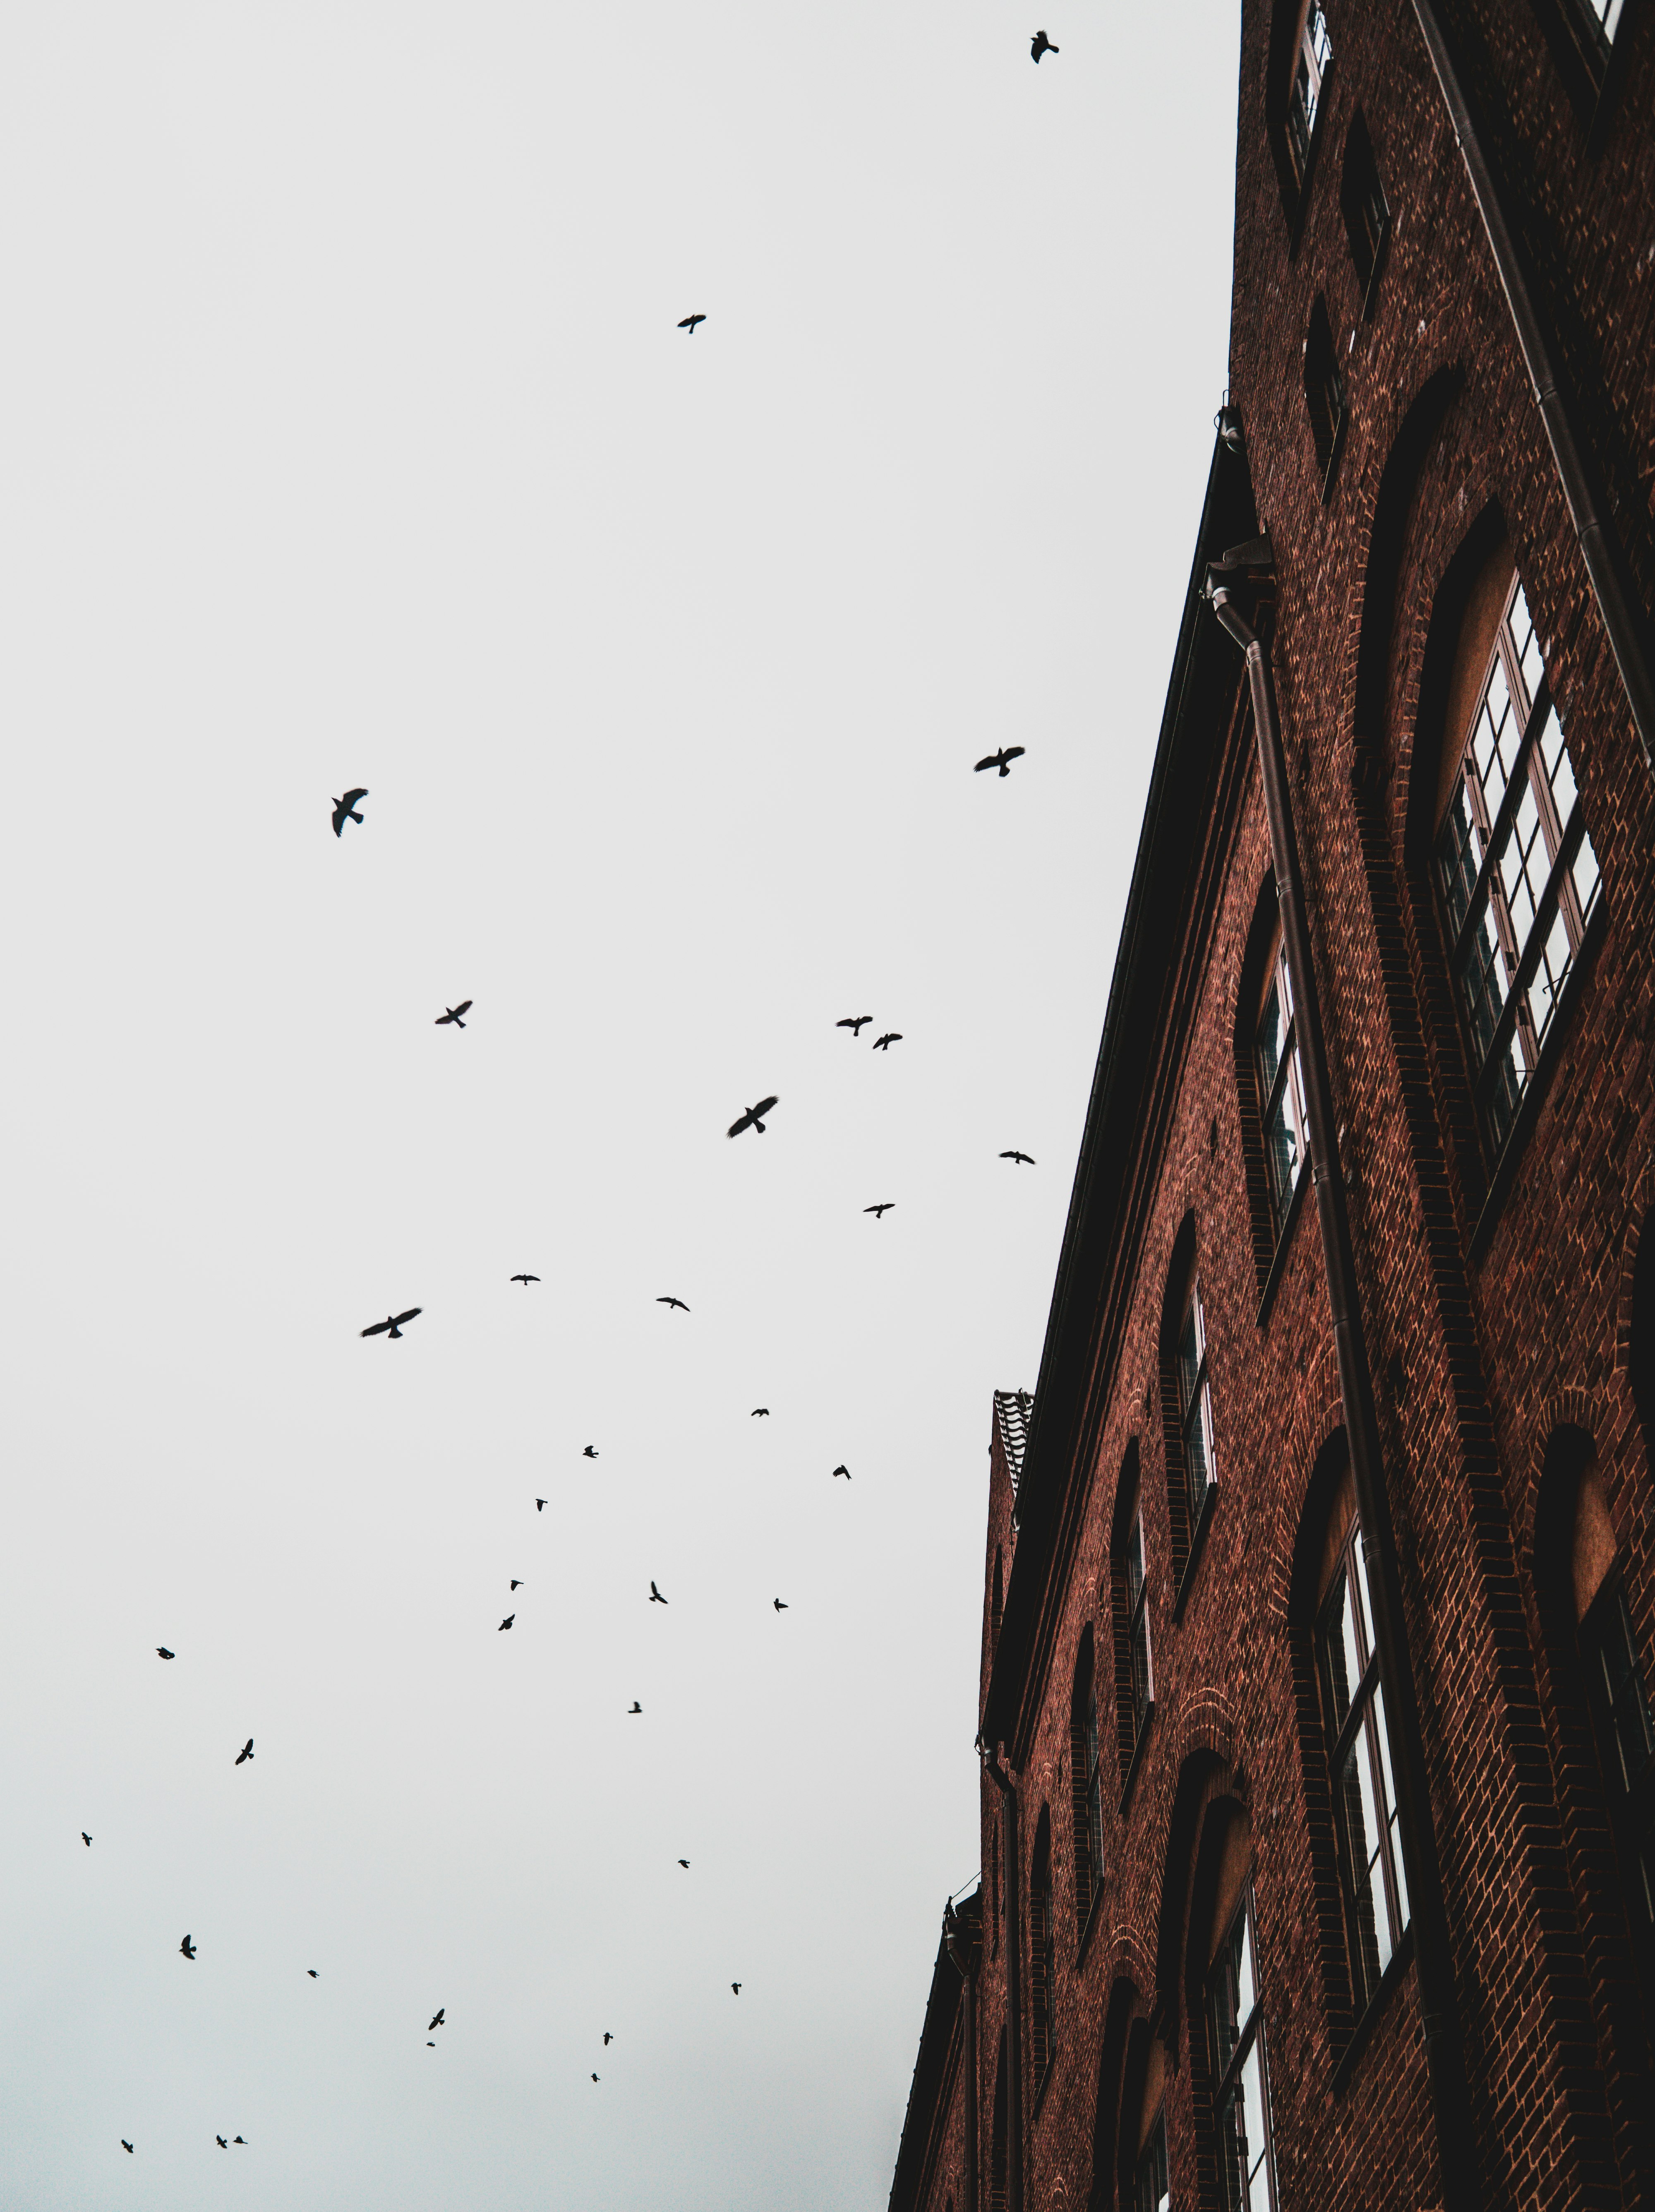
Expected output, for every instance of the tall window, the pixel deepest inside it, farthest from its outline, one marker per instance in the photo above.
(1242, 2092)
(1137, 1624)
(1515, 868)
(1325, 391)
(1150, 2190)
(1625, 1748)
(1359, 1761)
(1281, 1086)
(1314, 53)
(1088, 1789)
(1362, 204)
(1194, 1405)
(1042, 1955)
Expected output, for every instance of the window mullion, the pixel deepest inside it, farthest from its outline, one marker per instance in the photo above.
(1523, 973)
(1504, 816)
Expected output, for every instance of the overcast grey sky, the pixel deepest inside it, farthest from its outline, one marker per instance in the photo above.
(346, 437)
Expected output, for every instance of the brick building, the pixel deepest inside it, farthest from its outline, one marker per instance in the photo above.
(1318, 1806)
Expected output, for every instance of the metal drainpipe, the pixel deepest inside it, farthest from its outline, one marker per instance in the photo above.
(967, 1970)
(1004, 1784)
(1607, 567)
(1444, 2054)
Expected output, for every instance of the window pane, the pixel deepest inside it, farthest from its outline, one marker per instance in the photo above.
(1282, 1153)
(1459, 855)
(1555, 761)
(1198, 1446)
(1230, 1993)
(1135, 1560)
(1527, 644)
(1365, 1607)
(1150, 2192)
(1242, 2138)
(1142, 1680)
(1584, 874)
(1342, 1662)
(1191, 1347)
(1272, 1033)
(1494, 746)
(1482, 979)
(1549, 974)
(1623, 1680)
(1392, 1818)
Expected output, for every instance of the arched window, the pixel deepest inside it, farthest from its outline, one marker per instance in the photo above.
(999, 1603)
(1311, 54)
(997, 2153)
(1194, 1405)
(1128, 1591)
(1362, 204)
(1372, 1881)
(1143, 2132)
(1515, 872)
(1281, 1085)
(1042, 1954)
(1150, 2189)
(1241, 2081)
(1085, 1780)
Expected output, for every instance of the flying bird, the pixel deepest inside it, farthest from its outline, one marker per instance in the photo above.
(242, 2139)
(608, 2038)
(842, 1469)
(525, 1279)
(679, 1303)
(161, 1652)
(430, 2046)
(1007, 754)
(246, 1751)
(220, 2141)
(392, 1324)
(344, 810)
(635, 1707)
(1023, 1159)
(751, 1119)
(655, 1596)
(594, 2077)
(311, 1971)
(688, 323)
(1039, 45)
(124, 2144)
(453, 1015)
(855, 1023)
(509, 1619)
(880, 1212)
(589, 1452)
(780, 1604)
(518, 1584)
(683, 1863)
(540, 1505)
(187, 1947)
(86, 1839)
(760, 1412)
(735, 1988)
(884, 1043)
(442, 2011)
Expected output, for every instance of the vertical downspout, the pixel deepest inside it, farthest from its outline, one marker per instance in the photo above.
(1444, 2054)
(1607, 567)
(958, 1949)
(1013, 1983)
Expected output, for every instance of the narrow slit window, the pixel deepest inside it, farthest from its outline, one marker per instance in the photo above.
(1362, 204)
(1312, 55)
(1620, 1707)
(1087, 1785)
(1325, 392)
(1516, 871)
(1280, 1087)
(1150, 2189)
(1195, 1404)
(1137, 1604)
(1042, 1957)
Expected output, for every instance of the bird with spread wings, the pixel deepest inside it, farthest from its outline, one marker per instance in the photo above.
(1007, 754)
(392, 1324)
(752, 1119)
(344, 810)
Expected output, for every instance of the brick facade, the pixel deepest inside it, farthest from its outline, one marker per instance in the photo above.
(1509, 1307)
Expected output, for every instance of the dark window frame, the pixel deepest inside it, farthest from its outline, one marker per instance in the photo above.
(1326, 401)
(1042, 1958)
(1280, 1089)
(1313, 62)
(1194, 1403)
(1475, 903)
(1086, 1779)
(1366, 210)
(1621, 1711)
(1150, 2189)
(1230, 2068)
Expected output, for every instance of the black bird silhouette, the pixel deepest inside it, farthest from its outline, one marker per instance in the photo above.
(86, 1839)
(430, 2046)
(1023, 1159)
(594, 2077)
(842, 1469)
(635, 1707)
(760, 1411)
(124, 2144)
(683, 1863)
(220, 2141)
(540, 1505)
(161, 1652)
(1007, 754)
(436, 2023)
(392, 1324)
(679, 1303)
(751, 1119)
(246, 1751)
(855, 1023)
(884, 1043)
(688, 323)
(589, 1452)
(880, 1212)
(344, 810)
(525, 1279)
(1039, 45)
(187, 1947)
(779, 1604)
(735, 1988)
(453, 1015)
(518, 1584)
(242, 2139)
(655, 1596)
(509, 1619)
(608, 2038)
(311, 1971)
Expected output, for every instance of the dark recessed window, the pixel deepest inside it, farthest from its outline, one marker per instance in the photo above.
(1625, 1746)
(1515, 869)
(1087, 1782)
(1362, 204)
(1325, 392)
(1042, 1955)
(1281, 1086)
(1150, 2190)
(1242, 2097)
(1194, 1403)
(1137, 1624)
(1313, 52)
(1371, 1874)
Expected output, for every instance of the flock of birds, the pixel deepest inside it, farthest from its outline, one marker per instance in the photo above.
(348, 809)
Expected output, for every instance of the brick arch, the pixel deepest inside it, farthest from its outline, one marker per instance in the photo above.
(1131, 1959)
(1201, 1746)
(1570, 1408)
(1317, 1418)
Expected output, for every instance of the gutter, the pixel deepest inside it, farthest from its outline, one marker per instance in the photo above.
(1247, 567)
(1606, 564)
